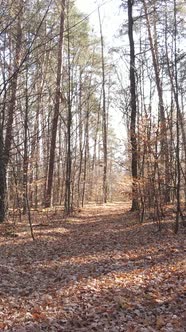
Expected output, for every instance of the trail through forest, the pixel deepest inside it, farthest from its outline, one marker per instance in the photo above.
(98, 270)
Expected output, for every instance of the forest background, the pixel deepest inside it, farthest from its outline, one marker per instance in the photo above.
(92, 166)
(60, 84)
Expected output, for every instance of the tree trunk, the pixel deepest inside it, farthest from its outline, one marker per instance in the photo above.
(56, 110)
(68, 205)
(104, 116)
(6, 145)
(25, 157)
(178, 165)
(2, 179)
(133, 108)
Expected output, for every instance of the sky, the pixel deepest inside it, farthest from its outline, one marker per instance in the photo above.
(111, 17)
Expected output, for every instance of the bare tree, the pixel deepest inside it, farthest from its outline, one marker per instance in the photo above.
(6, 143)
(104, 114)
(56, 108)
(133, 139)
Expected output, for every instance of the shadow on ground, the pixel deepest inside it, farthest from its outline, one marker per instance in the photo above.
(78, 262)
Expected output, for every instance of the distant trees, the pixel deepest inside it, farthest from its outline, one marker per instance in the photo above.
(159, 139)
(53, 120)
(57, 81)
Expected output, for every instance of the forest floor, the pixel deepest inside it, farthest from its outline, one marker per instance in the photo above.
(98, 270)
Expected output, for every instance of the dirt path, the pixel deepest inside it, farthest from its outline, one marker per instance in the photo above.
(97, 271)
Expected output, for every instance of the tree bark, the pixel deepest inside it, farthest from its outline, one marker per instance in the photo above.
(68, 203)
(178, 165)
(104, 115)
(134, 162)
(56, 110)
(6, 144)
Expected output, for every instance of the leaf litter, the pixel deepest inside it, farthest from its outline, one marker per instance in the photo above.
(98, 271)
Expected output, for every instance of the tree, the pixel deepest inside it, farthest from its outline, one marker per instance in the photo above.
(104, 115)
(134, 162)
(13, 80)
(56, 109)
(68, 202)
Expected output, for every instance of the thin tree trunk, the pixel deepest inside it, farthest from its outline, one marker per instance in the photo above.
(2, 179)
(80, 140)
(104, 115)
(56, 110)
(178, 166)
(25, 157)
(6, 145)
(68, 206)
(86, 155)
(134, 162)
